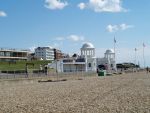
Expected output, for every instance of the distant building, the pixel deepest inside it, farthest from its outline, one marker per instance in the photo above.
(13, 54)
(85, 62)
(44, 53)
(31, 56)
(88, 52)
(108, 60)
(58, 54)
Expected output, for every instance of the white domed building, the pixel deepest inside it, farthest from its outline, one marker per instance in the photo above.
(85, 62)
(88, 53)
(88, 50)
(109, 59)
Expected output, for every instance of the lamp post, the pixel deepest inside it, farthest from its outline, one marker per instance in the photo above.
(56, 69)
(144, 55)
(135, 58)
(115, 52)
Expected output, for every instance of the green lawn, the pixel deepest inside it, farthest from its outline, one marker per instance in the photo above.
(20, 65)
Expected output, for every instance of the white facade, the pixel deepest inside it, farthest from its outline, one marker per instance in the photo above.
(69, 65)
(73, 64)
(45, 53)
(88, 52)
(85, 62)
(109, 59)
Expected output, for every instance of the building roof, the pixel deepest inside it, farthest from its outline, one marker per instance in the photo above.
(49, 47)
(15, 50)
(109, 51)
(87, 45)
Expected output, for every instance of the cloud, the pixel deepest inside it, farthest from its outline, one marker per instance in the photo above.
(57, 45)
(75, 38)
(60, 38)
(32, 49)
(70, 41)
(103, 5)
(114, 28)
(3, 14)
(55, 4)
(124, 26)
(82, 6)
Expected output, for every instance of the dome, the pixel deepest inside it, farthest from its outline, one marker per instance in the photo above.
(87, 45)
(50, 47)
(109, 51)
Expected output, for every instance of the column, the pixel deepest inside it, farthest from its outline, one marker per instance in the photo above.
(86, 64)
(90, 52)
(93, 52)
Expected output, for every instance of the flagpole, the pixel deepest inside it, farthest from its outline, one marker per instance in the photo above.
(144, 55)
(115, 52)
(135, 59)
(135, 56)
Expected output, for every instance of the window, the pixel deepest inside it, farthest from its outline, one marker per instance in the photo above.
(111, 65)
(89, 64)
(1, 53)
(7, 54)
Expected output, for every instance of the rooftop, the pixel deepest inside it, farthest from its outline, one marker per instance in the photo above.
(87, 45)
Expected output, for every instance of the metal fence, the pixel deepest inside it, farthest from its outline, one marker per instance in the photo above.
(35, 74)
(53, 74)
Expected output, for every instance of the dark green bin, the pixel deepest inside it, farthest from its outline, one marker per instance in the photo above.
(102, 73)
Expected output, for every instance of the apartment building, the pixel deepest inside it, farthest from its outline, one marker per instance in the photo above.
(58, 54)
(44, 53)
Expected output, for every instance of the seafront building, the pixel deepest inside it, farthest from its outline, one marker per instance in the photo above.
(13, 54)
(58, 54)
(84, 62)
(108, 60)
(44, 53)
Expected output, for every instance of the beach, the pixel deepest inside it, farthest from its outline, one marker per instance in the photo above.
(126, 93)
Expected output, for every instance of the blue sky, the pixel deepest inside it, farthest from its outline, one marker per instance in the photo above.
(67, 24)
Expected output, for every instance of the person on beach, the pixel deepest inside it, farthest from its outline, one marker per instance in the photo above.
(147, 69)
(45, 69)
(26, 70)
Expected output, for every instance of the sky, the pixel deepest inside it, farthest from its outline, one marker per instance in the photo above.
(67, 24)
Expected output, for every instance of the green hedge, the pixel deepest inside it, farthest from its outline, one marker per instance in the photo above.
(21, 65)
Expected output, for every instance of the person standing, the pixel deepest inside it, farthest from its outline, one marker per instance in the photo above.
(147, 69)
(26, 69)
(45, 69)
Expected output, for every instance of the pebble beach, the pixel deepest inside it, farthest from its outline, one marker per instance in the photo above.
(126, 93)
